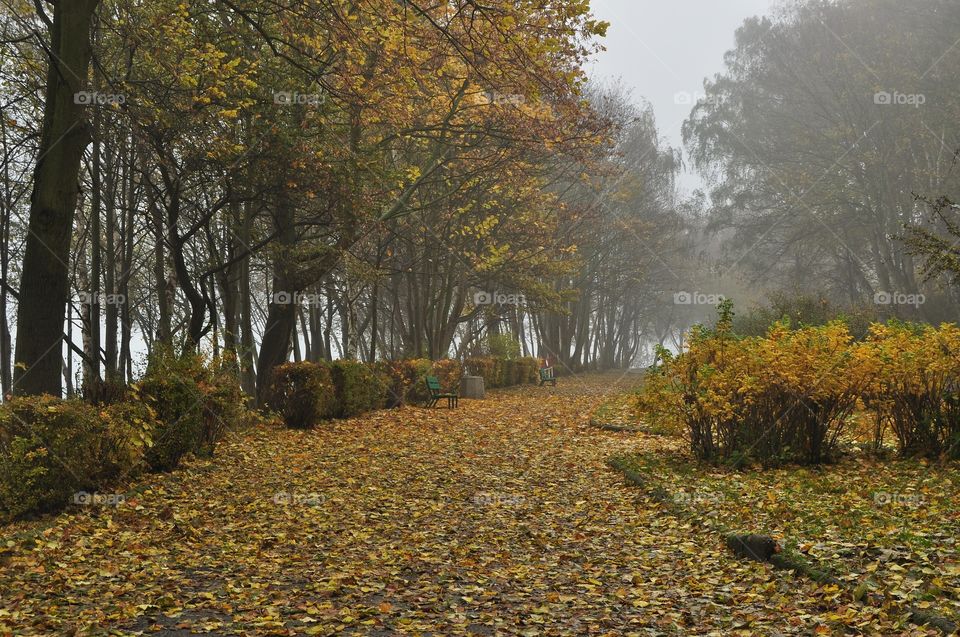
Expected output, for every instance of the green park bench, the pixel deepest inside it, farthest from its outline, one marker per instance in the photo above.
(436, 393)
(547, 376)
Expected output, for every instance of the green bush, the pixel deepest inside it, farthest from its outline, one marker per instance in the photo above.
(171, 388)
(193, 400)
(405, 380)
(417, 393)
(505, 346)
(131, 425)
(398, 378)
(805, 310)
(499, 373)
(358, 389)
(223, 403)
(303, 394)
(49, 450)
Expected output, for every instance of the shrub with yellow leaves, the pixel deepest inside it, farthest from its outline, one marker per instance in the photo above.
(784, 397)
(914, 385)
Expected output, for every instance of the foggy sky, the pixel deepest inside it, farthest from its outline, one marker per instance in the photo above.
(663, 49)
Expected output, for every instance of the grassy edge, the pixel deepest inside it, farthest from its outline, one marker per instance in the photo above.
(787, 560)
(598, 424)
(598, 421)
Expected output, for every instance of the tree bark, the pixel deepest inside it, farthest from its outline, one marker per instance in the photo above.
(164, 327)
(110, 268)
(45, 284)
(6, 372)
(127, 241)
(93, 293)
(281, 311)
(247, 353)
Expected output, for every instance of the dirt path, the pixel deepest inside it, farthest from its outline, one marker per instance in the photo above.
(499, 517)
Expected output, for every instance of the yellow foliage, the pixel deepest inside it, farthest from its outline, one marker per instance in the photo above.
(789, 394)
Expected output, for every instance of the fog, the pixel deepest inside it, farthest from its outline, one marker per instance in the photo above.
(662, 51)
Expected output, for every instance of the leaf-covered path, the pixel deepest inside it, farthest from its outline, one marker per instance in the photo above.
(499, 517)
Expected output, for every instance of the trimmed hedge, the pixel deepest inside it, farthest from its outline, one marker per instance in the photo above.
(482, 366)
(49, 450)
(448, 371)
(404, 380)
(510, 376)
(498, 372)
(171, 387)
(418, 393)
(303, 394)
(223, 405)
(131, 426)
(528, 370)
(53, 449)
(358, 388)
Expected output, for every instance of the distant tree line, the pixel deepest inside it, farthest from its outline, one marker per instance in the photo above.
(832, 126)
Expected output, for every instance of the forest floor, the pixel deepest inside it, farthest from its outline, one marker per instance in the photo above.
(497, 518)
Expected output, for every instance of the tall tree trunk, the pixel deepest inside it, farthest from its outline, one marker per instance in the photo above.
(247, 353)
(196, 298)
(328, 322)
(45, 282)
(297, 356)
(68, 363)
(6, 373)
(227, 279)
(281, 311)
(374, 310)
(94, 293)
(110, 269)
(164, 323)
(127, 239)
(316, 333)
(306, 332)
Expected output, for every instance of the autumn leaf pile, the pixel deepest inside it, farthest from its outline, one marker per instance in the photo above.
(499, 517)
